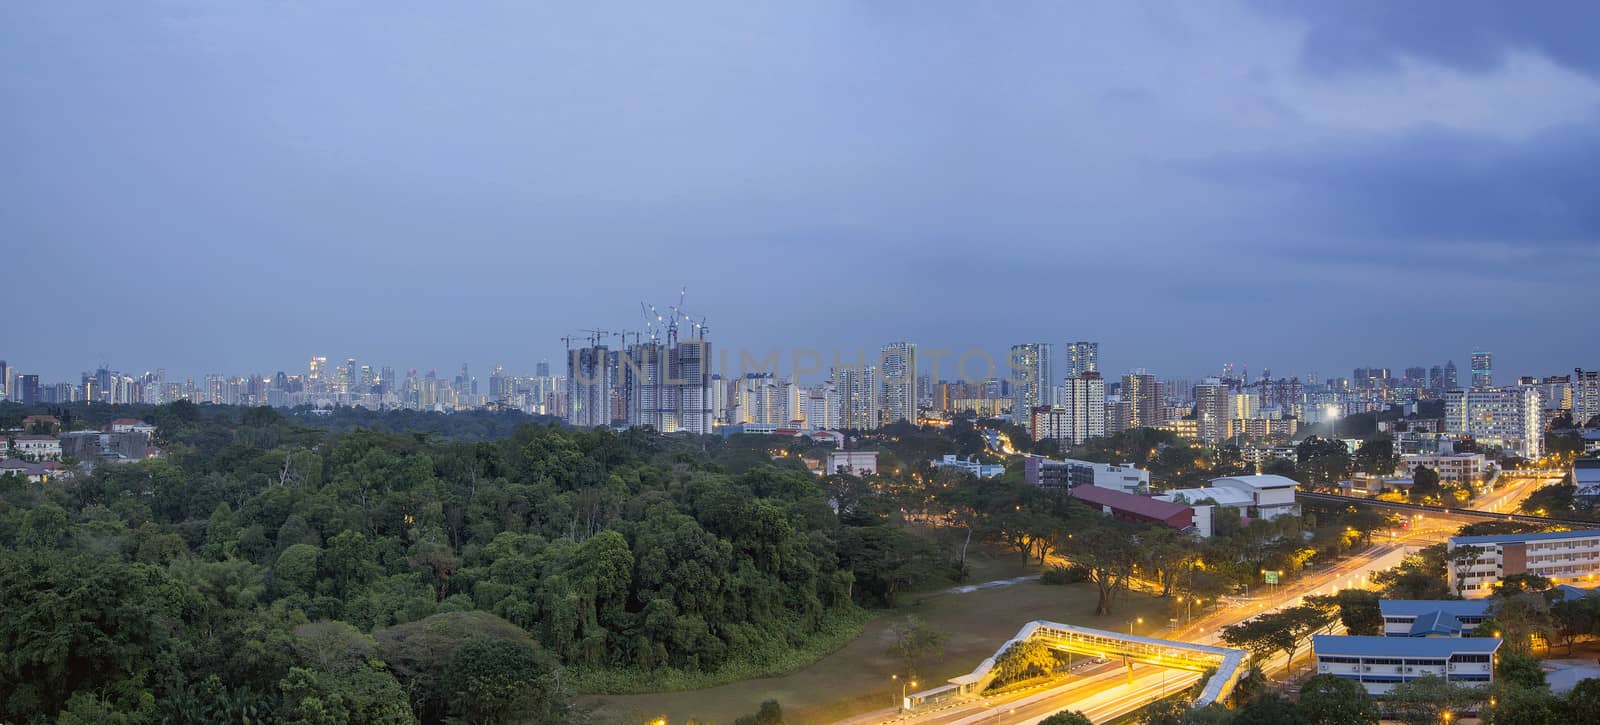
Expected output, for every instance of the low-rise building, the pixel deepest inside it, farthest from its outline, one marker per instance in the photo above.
(1560, 556)
(981, 470)
(1068, 473)
(1380, 663)
(1135, 509)
(37, 472)
(1265, 496)
(37, 447)
(1465, 468)
(1432, 618)
(124, 425)
(858, 463)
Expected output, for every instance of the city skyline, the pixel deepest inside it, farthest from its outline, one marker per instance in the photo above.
(1268, 184)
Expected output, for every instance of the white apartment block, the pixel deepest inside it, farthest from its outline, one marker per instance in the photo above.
(898, 365)
(1509, 417)
(1560, 556)
(37, 447)
(1453, 467)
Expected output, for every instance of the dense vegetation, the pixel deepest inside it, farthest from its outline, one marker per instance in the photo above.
(263, 570)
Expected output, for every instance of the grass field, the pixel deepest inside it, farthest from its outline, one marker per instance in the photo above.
(857, 678)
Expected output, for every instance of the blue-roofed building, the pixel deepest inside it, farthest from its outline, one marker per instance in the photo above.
(1432, 618)
(1560, 556)
(1380, 663)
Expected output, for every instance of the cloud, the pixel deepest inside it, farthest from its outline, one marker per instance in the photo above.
(1471, 35)
(1433, 185)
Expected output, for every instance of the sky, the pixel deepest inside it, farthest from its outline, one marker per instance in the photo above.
(235, 187)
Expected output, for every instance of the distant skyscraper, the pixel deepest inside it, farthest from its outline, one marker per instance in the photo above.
(1511, 418)
(542, 369)
(1142, 394)
(1436, 377)
(28, 393)
(1585, 396)
(1212, 408)
(1030, 380)
(1482, 370)
(5, 381)
(899, 370)
(1082, 357)
(1450, 379)
(1081, 415)
(589, 383)
(857, 388)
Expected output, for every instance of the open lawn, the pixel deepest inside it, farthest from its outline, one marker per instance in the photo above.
(857, 678)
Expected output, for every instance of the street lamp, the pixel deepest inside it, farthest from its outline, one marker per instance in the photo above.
(900, 705)
(1140, 620)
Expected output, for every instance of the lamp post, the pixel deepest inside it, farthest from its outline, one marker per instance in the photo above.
(900, 705)
(1140, 620)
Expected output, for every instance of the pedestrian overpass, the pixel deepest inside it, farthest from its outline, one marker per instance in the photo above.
(1228, 662)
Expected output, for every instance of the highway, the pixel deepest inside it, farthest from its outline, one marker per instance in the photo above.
(1507, 497)
(1103, 692)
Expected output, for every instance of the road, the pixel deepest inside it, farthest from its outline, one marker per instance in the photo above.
(1104, 693)
(1509, 495)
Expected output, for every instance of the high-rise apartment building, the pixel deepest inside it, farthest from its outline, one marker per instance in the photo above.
(590, 380)
(1080, 416)
(1482, 370)
(898, 366)
(5, 381)
(1212, 409)
(857, 388)
(1585, 396)
(1082, 357)
(28, 389)
(1141, 393)
(1030, 380)
(1450, 379)
(1510, 418)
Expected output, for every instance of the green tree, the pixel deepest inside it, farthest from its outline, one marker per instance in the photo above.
(500, 681)
(1520, 670)
(1357, 608)
(1332, 700)
(1377, 456)
(1424, 484)
(1270, 709)
(1067, 717)
(1514, 705)
(418, 653)
(366, 693)
(75, 623)
(1425, 700)
(1583, 702)
(297, 567)
(770, 713)
(915, 641)
(1024, 659)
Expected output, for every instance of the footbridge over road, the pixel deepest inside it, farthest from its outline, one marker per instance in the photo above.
(1228, 663)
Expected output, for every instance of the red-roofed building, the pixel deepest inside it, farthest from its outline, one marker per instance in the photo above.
(1134, 508)
(124, 425)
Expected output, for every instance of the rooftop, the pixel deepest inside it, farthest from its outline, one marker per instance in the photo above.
(1223, 496)
(1419, 607)
(1265, 480)
(1137, 505)
(1435, 647)
(1519, 538)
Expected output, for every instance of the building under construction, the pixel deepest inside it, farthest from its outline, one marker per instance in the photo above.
(661, 381)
